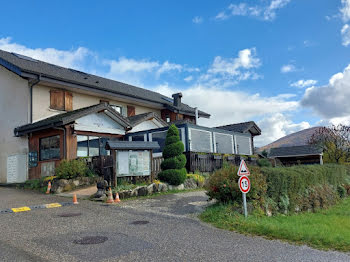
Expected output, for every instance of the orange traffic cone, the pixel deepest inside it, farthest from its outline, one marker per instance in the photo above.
(48, 188)
(75, 200)
(116, 200)
(110, 197)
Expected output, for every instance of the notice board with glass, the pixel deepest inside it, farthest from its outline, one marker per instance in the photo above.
(133, 163)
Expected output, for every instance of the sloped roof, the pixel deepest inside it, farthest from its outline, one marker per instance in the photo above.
(69, 117)
(295, 151)
(137, 119)
(132, 145)
(20, 64)
(243, 128)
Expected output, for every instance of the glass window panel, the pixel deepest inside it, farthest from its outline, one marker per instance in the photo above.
(94, 146)
(50, 148)
(82, 148)
(103, 151)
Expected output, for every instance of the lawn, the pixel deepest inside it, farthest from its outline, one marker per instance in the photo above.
(326, 229)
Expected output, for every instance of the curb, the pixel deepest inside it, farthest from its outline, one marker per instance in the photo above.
(30, 208)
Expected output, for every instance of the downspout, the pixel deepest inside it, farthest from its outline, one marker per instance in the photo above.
(196, 114)
(32, 83)
(64, 140)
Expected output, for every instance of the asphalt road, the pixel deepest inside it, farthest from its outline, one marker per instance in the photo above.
(164, 228)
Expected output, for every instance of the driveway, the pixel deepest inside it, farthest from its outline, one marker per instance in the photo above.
(164, 228)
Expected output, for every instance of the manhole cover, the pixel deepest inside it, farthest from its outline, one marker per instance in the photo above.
(140, 222)
(91, 240)
(69, 215)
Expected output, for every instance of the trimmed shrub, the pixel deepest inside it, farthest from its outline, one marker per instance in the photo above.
(69, 169)
(284, 189)
(264, 162)
(173, 166)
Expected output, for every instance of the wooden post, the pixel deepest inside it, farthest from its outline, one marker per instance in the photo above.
(114, 154)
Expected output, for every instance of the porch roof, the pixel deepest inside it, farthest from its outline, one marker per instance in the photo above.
(70, 117)
(131, 145)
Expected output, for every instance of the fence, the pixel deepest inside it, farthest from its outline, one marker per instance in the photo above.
(156, 162)
(210, 162)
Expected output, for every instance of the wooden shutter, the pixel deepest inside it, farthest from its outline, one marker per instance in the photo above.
(57, 99)
(68, 103)
(131, 110)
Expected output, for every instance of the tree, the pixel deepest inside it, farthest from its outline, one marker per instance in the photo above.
(335, 142)
(173, 166)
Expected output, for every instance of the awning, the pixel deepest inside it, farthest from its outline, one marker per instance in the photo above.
(131, 145)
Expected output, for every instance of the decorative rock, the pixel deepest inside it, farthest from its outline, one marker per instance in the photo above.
(142, 191)
(76, 182)
(190, 183)
(150, 189)
(179, 187)
(62, 182)
(162, 187)
(134, 192)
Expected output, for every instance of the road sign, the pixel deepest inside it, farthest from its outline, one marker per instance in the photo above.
(243, 169)
(244, 184)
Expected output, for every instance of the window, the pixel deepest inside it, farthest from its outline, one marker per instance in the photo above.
(50, 148)
(92, 146)
(167, 118)
(119, 109)
(61, 100)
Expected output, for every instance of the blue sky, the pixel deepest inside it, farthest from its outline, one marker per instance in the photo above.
(281, 63)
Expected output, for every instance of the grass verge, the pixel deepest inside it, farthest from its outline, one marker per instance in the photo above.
(325, 229)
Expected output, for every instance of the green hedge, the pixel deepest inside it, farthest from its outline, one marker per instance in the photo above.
(284, 189)
(173, 176)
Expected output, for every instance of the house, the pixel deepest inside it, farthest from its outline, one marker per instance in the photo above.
(49, 113)
(296, 155)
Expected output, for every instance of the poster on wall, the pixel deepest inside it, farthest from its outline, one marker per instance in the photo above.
(133, 163)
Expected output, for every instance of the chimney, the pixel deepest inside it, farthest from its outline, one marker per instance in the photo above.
(177, 99)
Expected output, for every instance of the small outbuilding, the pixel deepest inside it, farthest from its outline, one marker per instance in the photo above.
(296, 155)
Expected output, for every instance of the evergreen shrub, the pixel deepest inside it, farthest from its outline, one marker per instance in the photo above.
(173, 166)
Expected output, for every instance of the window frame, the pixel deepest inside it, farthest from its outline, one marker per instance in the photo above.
(59, 147)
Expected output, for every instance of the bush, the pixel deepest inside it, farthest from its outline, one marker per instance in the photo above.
(264, 162)
(173, 176)
(198, 178)
(283, 189)
(173, 166)
(69, 169)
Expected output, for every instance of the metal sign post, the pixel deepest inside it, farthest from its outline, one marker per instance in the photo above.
(244, 184)
(245, 204)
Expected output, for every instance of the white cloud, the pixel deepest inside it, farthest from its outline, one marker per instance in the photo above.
(123, 65)
(235, 68)
(345, 10)
(345, 33)
(288, 68)
(197, 20)
(304, 83)
(188, 79)
(330, 101)
(74, 58)
(264, 12)
(276, 126)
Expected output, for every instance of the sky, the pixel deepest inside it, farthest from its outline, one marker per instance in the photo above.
(284, 64)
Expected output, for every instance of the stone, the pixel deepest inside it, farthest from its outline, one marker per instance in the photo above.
(190, 183)
(68, 187)
(179, 187)
(62, 182)
(162, 187)
(101, 198)
(156, 187)
(58, 190)
(76, 182)
(125, 194)
(150, 189)
(134, 192)
(142, 191)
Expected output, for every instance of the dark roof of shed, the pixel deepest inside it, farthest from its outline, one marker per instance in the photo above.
(132, 145)
(69, 117)
(295, 151)
(243, 128)
(19, 63)
(137, 119)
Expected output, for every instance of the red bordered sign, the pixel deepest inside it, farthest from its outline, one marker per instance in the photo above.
(243, 169)
(244, 184)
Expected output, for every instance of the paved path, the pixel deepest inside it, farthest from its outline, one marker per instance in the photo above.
(164, 228)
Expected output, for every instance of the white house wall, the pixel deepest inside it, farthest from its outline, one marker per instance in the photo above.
(41, 103)
(99, 122)
(14, 112)
(146, 125)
